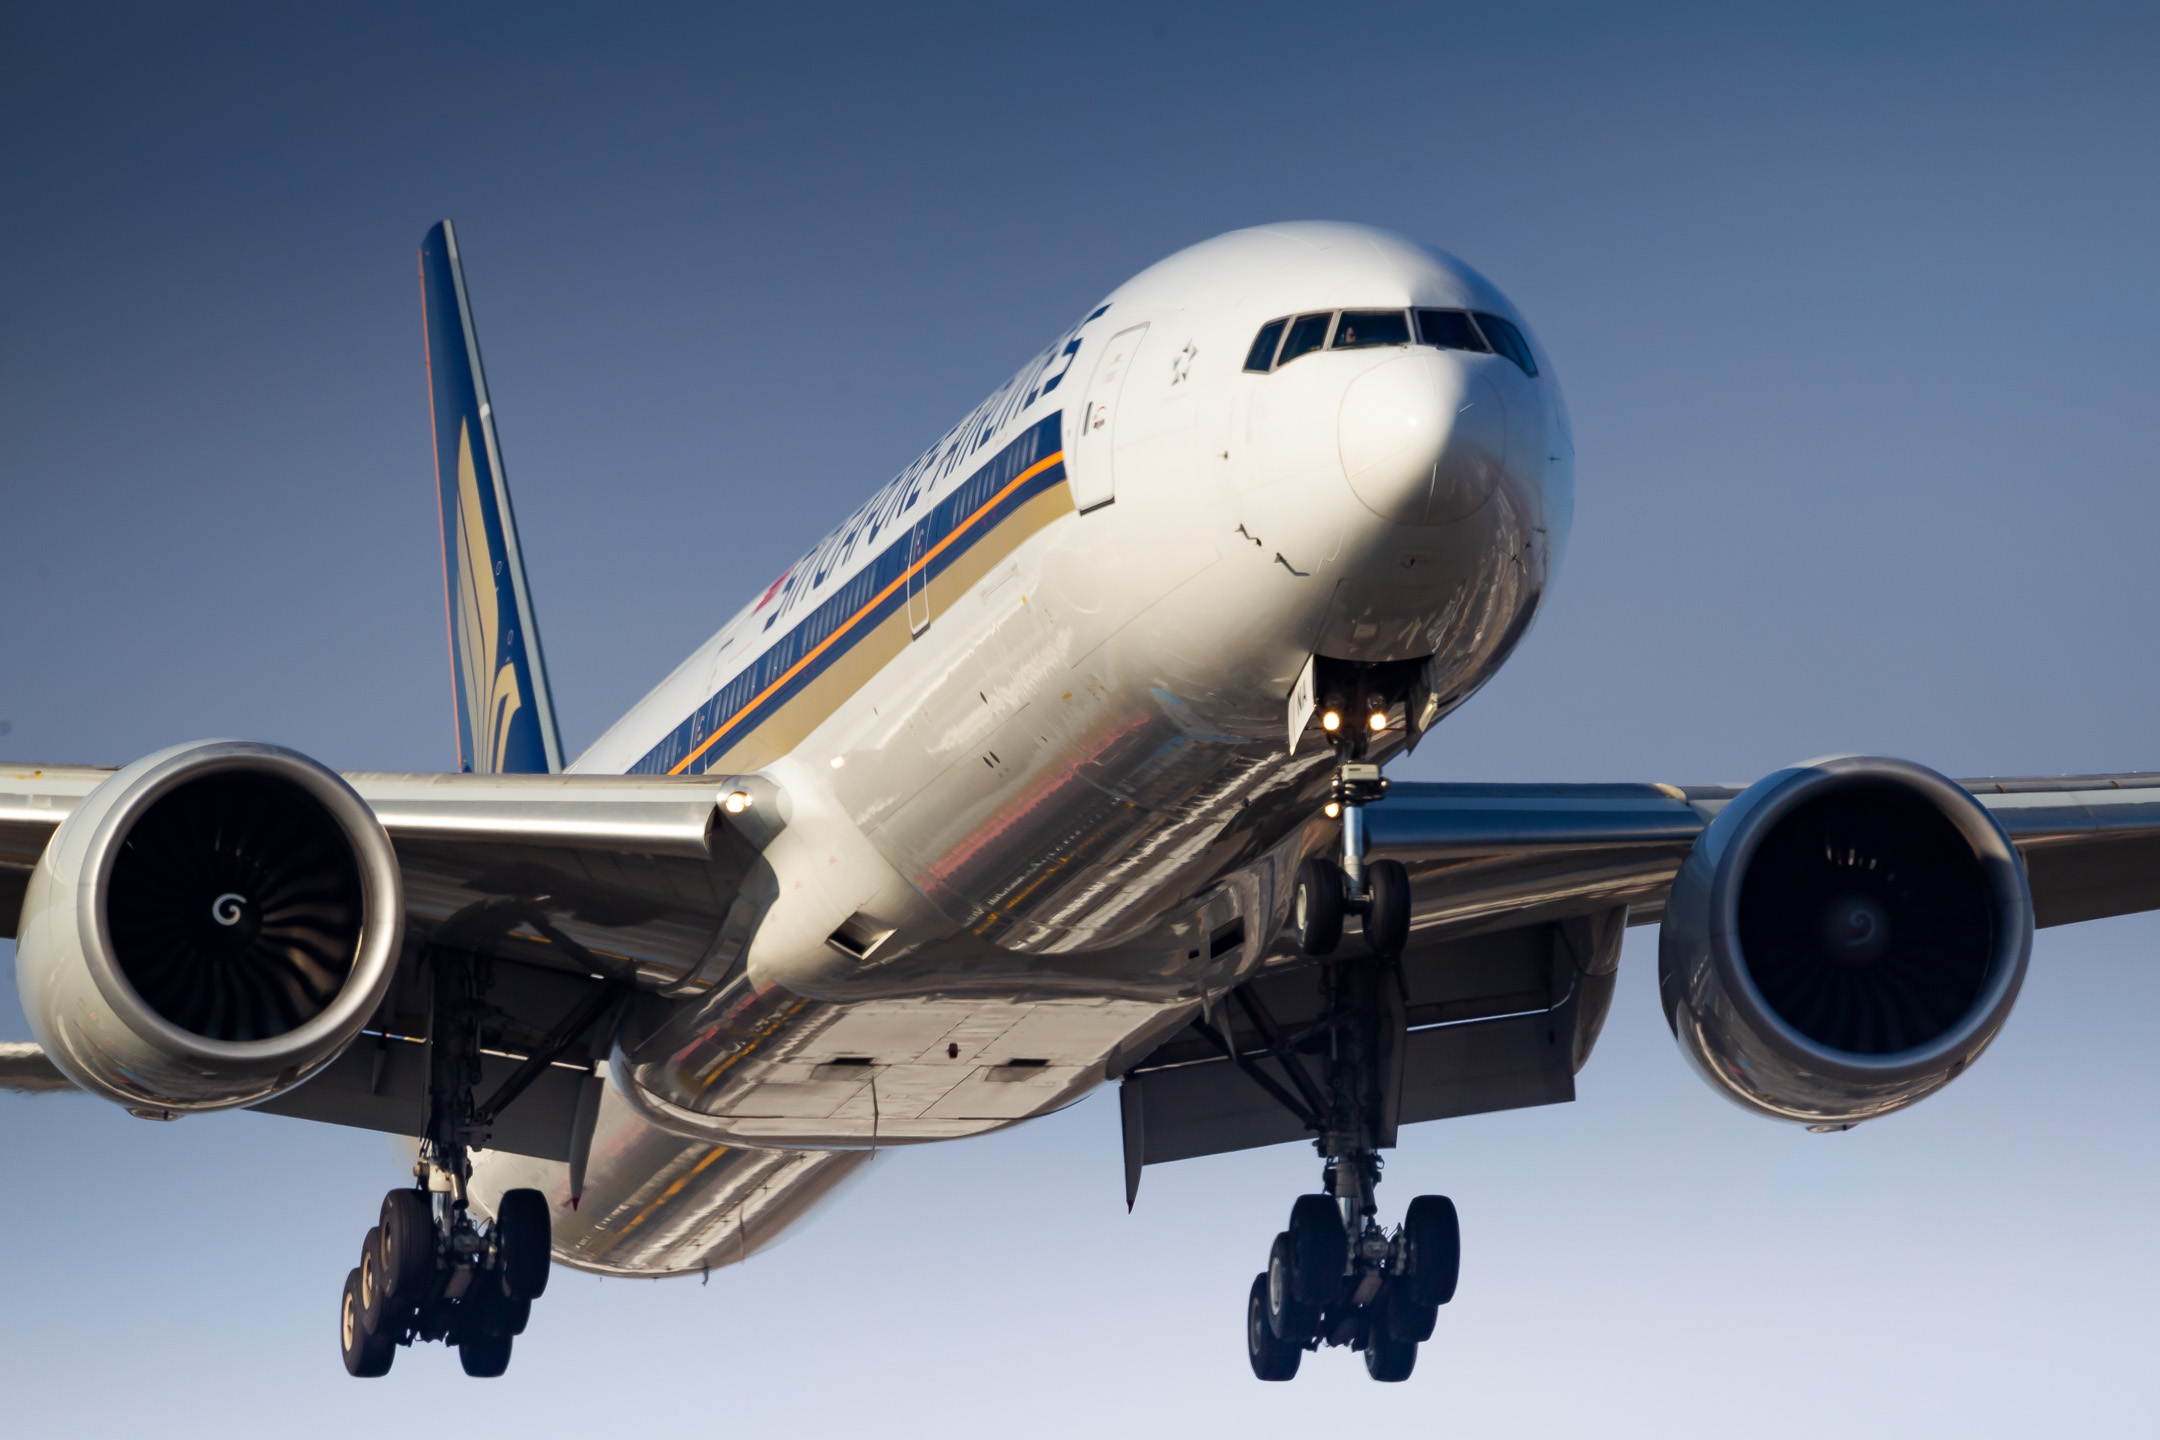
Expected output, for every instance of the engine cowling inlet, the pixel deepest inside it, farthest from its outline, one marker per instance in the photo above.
(209, 927)
(1845, 938)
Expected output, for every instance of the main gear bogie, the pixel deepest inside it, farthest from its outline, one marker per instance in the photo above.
(430, 1272)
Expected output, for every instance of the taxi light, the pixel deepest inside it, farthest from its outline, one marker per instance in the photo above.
(1331, 722)
(1379, 720)
(1333, 809)
(736, 802)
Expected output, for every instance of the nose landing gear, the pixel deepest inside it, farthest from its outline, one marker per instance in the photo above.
(1335, 1276)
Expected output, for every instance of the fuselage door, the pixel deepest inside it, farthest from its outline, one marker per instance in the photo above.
(918, 575)
(1091, 475)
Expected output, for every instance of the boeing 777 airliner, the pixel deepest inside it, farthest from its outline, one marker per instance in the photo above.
(1058, 763)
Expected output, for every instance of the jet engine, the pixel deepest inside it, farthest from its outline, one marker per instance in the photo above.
(210, 926)
(1844, 939)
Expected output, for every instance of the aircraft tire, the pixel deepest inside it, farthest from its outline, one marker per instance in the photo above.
(1388, 1358)
(1290, 1321)
(1272, 1359)
(405, 1248)
(1316, 907)
(374, 1305)
(1387, 908)
(527, 1243)
(1406, 1317)
(1432, 1244)
(485, 1354)
(367, 1352)
(1319, 1250)
(488, 1307)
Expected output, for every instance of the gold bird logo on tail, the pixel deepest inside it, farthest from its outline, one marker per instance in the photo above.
(493, 695)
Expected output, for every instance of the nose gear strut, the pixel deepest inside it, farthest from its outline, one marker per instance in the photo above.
(1335, 1276)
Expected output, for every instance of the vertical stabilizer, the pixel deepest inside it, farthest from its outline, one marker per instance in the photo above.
(505, 712)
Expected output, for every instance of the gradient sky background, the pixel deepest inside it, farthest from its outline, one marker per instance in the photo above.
(1855, 309)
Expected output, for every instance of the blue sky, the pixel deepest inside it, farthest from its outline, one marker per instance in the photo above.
(1853, 306)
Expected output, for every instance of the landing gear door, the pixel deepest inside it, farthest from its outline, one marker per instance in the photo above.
(1091, 474)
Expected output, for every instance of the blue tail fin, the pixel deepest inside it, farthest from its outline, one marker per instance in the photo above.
(505, 712)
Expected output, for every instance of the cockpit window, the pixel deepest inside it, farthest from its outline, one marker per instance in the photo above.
(1307, 334)
(1507, 340)
(1448, 329)
(1262, 355)
(1362, 329)
(1471, 330)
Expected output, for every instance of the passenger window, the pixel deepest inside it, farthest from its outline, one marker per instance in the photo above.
(1362, 329)
(1307, 334)
(1448, 329)
(1262, 356)
(1508, 341)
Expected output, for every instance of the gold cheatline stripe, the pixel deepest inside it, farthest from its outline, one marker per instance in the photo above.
(848, 624)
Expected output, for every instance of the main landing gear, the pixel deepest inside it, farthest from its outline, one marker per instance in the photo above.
(427, 1271)
(1334, 1276)
(430, 1270)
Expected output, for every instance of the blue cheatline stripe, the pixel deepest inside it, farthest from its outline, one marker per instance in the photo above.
(1025, 468)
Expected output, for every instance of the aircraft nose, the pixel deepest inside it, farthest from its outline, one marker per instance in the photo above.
(1423, 438)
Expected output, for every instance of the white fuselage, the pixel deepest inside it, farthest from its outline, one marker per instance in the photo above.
(1027, 707)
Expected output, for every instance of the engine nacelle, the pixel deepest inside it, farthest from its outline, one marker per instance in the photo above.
(210, 926)
(1845, 938)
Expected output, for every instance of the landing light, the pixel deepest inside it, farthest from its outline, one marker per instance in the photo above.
(1333, 809)
(1379, 720)
(1331, 722)
(838, 761)
(736, 803)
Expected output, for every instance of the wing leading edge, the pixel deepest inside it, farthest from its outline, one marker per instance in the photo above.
(1484, 853)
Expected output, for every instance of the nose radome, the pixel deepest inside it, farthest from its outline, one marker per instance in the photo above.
(1423, 438)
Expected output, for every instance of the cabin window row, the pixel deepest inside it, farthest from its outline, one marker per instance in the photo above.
(1281, 341)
